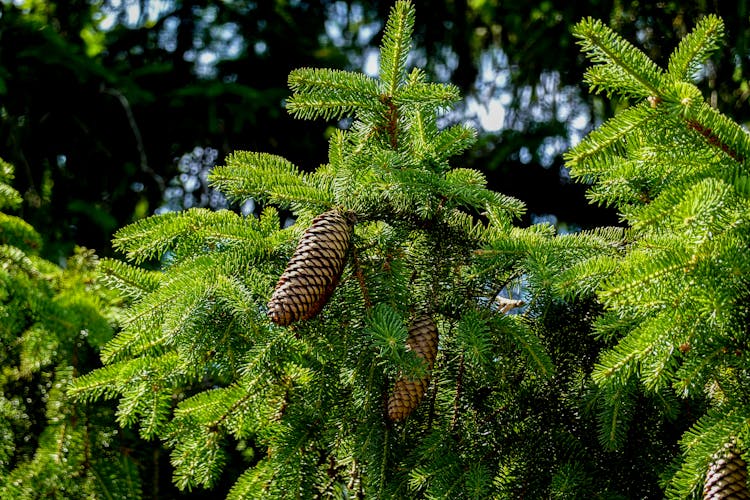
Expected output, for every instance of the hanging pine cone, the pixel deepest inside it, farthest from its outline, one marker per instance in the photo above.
(407, 393)
(727, 477)
(313, 271)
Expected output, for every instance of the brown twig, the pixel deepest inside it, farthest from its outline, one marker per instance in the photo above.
(392, 120)
(136, 134)
(714, 140)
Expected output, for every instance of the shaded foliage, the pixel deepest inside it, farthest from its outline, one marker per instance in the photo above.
(99, 101)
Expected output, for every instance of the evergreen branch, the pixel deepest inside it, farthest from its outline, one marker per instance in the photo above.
(155, 409)
(388, 333)
(604, 46)
(608, 138)
(644, 268)
(154, 322)
(146, 386)
(614, 80)
(464, 188)
(198, 459)
(133, 282)
(9, 197)
(659, 368)
(738, 179)
(254, 482)
(606, 239)
(395, 46)
(520, 335)
(705, 207)
(7, 172)
(695, 48)
(460, 222)
(104, 382)
(511, 243)
(585, 278)
(327, 107)
(453, 140)
(18, 233)
(427, 95)
(621, 362)
(474, 339)
(199, 290)
(309, 403)
(342, 85)
(421, 132)
(268, 178)
(615, 415)
(390, 121)
(718, 131)
(133, 341)
(499, 203)
(261, 355)
(154, 236)
(361, 278)
(692, 377)
(704, 441)
(338, 146)
(15, 259)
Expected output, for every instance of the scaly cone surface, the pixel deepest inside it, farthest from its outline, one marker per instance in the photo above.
(313, 271)
(407, 393)
(727, 478)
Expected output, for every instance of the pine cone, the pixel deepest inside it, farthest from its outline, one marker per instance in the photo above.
(407, 393)
(313, 271)
(727, 477)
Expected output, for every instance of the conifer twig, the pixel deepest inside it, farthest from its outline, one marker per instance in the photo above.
(714, 139)
(143, 159)
(361, 278)
(459, 387)
(431, 413)
(392, 121)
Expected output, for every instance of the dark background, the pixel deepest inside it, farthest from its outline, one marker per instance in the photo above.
(112, 110)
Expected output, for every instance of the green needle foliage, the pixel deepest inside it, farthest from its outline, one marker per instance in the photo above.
(52, 322)
(302, 409)
(568, 366)
(675, 295)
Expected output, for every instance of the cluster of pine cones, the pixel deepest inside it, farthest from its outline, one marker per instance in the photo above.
(308, 282)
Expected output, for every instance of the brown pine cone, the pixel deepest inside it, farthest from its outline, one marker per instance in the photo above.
(313, 271)
(407, 393)
(727, 477)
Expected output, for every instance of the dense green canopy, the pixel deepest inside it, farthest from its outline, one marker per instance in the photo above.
(98, 99)
(604, 363)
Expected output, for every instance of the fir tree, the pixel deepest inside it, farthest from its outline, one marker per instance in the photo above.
(52, 321)
(675, 290)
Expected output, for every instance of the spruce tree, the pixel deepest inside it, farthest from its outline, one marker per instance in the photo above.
(52, 321)
(383, 329)
(297, 382)
(674, 287)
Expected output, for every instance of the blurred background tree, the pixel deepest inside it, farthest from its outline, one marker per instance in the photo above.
(112, 109)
